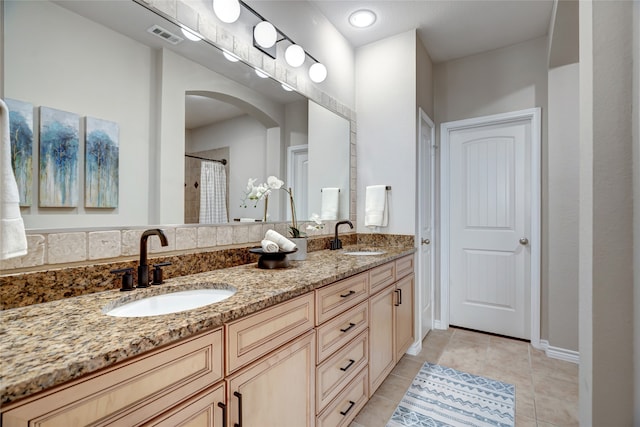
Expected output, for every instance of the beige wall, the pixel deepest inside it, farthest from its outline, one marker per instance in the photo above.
(387, 116)
(606, 215)
(424, 79)
(562, 204)
(508, 79)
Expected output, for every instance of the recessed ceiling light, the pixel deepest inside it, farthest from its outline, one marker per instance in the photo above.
(362, 18)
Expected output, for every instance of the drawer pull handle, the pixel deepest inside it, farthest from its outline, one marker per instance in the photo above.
(351, 403)
(224, 413)
(348, 294)
(398, 301)
(351, 325)
(400, 296)
(239, 396)
(351, 362)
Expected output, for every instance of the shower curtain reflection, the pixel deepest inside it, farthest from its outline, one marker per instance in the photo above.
(213, 193)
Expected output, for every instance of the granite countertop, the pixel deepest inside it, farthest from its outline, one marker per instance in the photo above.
(47, 344)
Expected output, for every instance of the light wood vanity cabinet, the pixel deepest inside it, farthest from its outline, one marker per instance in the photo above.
(391, 321)
(271, 358)
(314, 360)
(131, 393)
(342, 322)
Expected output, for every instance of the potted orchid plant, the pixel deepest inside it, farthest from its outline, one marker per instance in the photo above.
(262, 191)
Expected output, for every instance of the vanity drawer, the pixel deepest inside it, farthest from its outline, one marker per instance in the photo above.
(344, 408)
(382, 276)
(334, 373)
(129, 393)
(337, 332)
(404, 266)
(341, 296)
(258, 334)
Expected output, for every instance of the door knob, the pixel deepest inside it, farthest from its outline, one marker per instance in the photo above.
(524, 241)
(425, 241)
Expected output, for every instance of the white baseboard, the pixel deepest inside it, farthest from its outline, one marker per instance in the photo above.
(560, 353)
(437, 324)
(415, 348)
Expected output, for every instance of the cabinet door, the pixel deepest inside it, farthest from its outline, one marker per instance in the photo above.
(381, 334)
(277, 390)
(131, 392)
(207, 409)
(404, 315)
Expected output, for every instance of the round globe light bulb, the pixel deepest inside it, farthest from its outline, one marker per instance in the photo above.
(317, 72)
(227, 10)
(190, 34)
(261, 73)
(230, 57)
(265, 34)
(294, 55)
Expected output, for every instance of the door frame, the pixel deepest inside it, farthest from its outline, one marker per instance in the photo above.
(532, 115)
(422, 116)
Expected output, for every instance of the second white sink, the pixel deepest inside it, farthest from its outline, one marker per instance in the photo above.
(173, 302)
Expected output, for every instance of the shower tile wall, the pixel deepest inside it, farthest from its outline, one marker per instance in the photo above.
(192, 176)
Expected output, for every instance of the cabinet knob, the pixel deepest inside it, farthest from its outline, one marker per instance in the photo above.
(426, 241)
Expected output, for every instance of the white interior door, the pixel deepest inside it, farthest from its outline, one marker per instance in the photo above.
(489, 225)
(426, 261)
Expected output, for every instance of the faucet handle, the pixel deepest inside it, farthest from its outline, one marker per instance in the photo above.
(127, 278)
(335, 244)
(157, 273)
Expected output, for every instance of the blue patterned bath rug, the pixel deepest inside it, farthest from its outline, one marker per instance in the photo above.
(441, 396)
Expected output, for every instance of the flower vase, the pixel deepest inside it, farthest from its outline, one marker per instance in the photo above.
(301, 253)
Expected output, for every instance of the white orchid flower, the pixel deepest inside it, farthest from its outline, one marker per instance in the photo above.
(274, 183)
(250, 184)
(316, 218)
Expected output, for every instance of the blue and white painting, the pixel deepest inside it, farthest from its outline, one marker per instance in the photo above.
(59, 147)
(101, 163)
(21, 136)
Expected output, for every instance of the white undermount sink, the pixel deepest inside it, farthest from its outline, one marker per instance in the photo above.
(364, 253)
(173, 302)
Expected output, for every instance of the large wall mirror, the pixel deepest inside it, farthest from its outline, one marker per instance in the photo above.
(174, 105)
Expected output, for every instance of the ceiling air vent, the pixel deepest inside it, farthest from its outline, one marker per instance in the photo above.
(166, 35)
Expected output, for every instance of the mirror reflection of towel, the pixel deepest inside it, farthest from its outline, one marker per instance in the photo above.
(330, 202)
(376, 210)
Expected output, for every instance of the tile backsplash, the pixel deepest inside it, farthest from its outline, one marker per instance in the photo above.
(77, 247)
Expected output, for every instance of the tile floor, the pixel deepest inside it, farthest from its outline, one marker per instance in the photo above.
(546, 389)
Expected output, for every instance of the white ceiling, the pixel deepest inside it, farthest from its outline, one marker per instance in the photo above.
(449, 29)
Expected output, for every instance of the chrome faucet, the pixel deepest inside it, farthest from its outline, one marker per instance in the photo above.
(336, 243)
(143, 268)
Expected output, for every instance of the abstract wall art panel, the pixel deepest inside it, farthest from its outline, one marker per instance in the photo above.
(59, 147)
(21, 136)
(101, 163)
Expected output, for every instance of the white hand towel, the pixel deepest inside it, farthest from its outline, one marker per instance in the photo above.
(376, 210)
(330, 202)
(247, 220)
(13, 239)
(285, 244)
(269, 246)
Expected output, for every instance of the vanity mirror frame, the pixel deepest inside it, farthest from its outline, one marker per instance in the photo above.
(221, 38)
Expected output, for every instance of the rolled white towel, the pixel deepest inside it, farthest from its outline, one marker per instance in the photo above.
(269, 246)
(284, 243)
